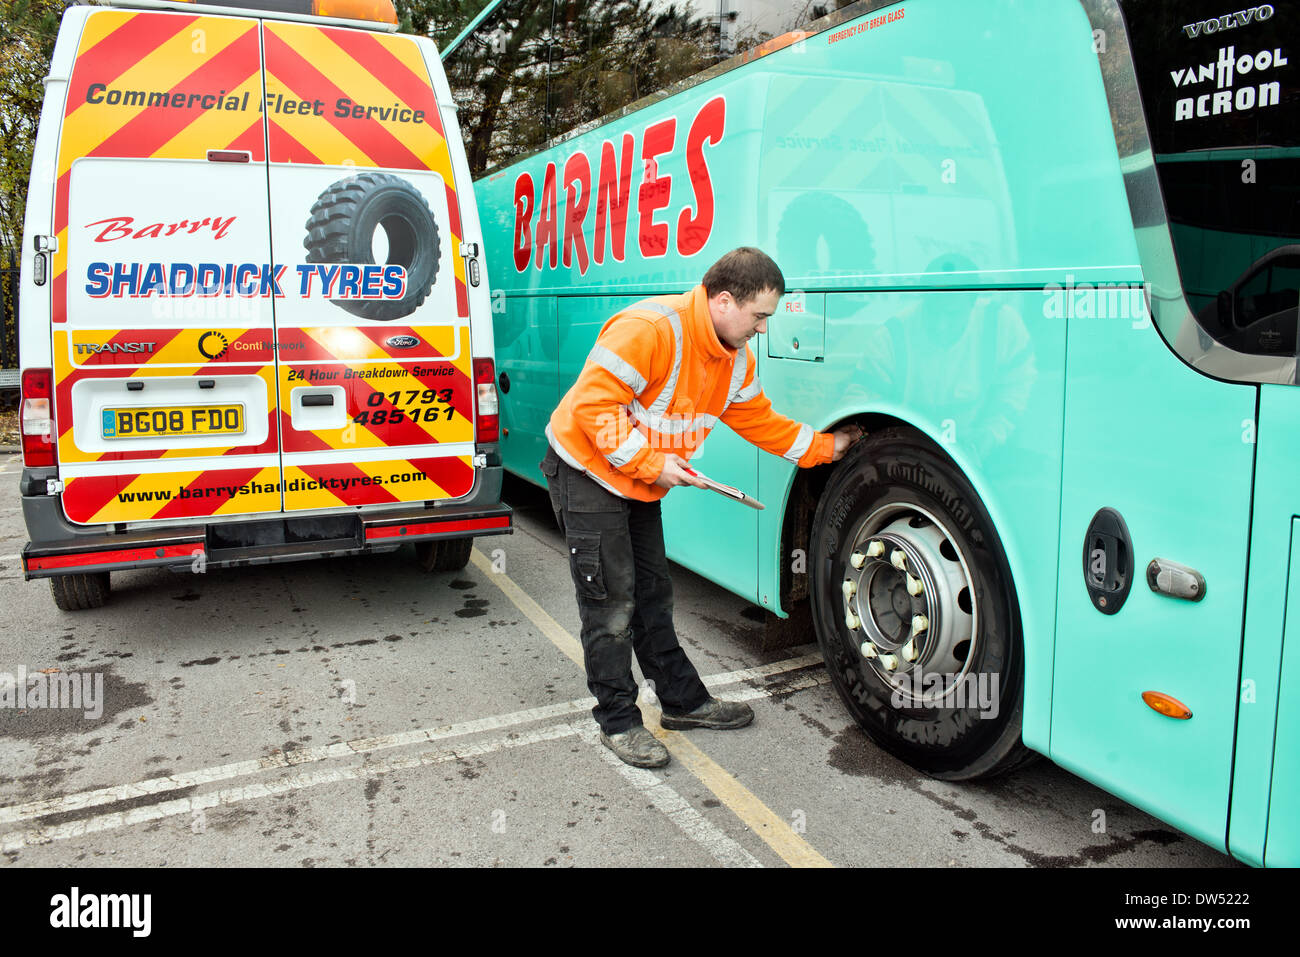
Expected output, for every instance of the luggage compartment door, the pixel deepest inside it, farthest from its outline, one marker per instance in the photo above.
(163, 288)
(374, 361)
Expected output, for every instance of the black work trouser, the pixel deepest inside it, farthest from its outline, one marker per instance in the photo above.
(625, 598)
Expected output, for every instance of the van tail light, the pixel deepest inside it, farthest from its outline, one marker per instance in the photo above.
(485, 388)
(38, 417)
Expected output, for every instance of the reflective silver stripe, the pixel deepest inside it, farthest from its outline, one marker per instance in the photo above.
(660, 404)
(801, 445)
(750, 391)
(672, 425)
(619, 368)
(623, 454)
(563, 453)
(738, 370)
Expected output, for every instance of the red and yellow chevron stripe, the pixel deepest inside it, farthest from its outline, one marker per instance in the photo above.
(92, 500)
(189, 56)
(340, 68)
(176, 354)
(202, 80)
(376, 482)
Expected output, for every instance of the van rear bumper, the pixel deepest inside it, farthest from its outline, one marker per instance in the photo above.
(80, 550)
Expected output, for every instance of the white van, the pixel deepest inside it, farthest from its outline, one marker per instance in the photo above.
(254, 321)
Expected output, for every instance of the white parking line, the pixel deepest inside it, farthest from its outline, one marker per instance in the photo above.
(15, 840)
(564, 709)
(675, 807)
(719, 846)
(747, 806)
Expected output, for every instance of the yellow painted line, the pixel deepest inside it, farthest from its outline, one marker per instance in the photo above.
(761, 819)
(547, 625)
(757, 816)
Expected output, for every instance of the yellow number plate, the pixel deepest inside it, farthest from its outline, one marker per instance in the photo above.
(171, 421)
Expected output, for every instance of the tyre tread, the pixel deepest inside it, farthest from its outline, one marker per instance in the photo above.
(80, 591)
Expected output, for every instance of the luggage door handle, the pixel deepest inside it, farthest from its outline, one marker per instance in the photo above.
(319, 398)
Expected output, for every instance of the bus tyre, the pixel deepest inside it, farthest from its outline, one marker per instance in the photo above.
(915, 611)
(342, 229)
(80, 592)
(444, 555)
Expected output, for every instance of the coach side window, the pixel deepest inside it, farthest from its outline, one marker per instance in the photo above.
(498, 78)
(609, 54)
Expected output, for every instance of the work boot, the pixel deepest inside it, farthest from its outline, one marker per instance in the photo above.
(714, 713)
(637, 747)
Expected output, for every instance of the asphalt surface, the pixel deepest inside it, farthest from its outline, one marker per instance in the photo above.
(362, 712)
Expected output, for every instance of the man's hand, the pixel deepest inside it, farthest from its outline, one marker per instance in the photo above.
(675, 473)
(844, 438)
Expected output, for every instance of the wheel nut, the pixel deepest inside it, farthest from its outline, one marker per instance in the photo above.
(857, 559)
(849, 588)
(910, 651)
(890, 662)
(868, 650)
(919, 624)
(898, 559)
(914, 586)
(852, 621)
(876, 549)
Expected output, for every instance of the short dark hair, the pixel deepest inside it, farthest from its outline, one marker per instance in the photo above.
(744, 272)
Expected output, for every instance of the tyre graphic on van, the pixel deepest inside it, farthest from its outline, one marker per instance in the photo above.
(352, 213)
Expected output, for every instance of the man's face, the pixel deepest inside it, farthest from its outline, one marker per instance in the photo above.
(738, 322)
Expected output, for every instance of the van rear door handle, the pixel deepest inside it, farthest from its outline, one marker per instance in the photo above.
(324, 398)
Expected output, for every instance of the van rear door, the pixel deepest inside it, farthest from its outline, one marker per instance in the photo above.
(374, 360)
(163, 286)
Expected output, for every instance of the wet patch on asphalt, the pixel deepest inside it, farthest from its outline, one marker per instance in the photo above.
(113, 696)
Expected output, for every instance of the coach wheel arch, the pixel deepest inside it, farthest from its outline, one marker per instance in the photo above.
(354, 216)
(909, 586)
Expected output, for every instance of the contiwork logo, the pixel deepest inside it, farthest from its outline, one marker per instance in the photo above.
(133, 911)
(213, 345)
(94, 348)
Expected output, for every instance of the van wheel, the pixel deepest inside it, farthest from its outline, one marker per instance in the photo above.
(345, 221)
(915, 610)
(444, 555)
(80, 592)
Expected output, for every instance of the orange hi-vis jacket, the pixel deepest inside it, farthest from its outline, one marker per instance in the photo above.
(658, 380)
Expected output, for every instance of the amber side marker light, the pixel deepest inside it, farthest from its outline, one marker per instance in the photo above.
(1169, 706)
(376, 11)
